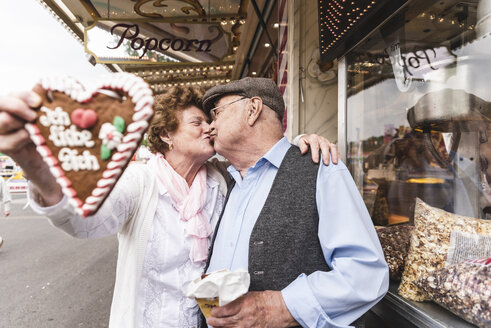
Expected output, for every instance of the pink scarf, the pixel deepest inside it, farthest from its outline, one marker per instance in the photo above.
(189, 201)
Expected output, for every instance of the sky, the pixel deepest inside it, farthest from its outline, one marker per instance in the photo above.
(34, 44)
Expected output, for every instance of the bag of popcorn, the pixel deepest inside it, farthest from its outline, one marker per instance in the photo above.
(431, 245)
(463, 288)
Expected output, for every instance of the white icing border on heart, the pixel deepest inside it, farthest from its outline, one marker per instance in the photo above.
(142, 98)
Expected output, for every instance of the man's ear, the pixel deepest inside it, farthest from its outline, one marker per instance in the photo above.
(254, 110)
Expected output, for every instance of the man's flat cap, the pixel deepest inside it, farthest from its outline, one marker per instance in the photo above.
(249, 87)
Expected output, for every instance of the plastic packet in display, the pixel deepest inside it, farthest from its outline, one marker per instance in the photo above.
(431, 244)
(395, 244)
(464, 288)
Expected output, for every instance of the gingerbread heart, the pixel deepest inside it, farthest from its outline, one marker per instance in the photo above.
(88, 137)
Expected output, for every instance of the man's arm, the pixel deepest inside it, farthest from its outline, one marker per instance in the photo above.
(359, 275)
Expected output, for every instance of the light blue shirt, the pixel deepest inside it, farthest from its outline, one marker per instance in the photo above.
(359, 277)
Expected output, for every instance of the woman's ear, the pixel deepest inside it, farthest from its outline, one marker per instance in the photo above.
(164, 136)
(254, 110)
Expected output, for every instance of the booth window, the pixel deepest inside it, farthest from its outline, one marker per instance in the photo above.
(418, 131)
(418, 111)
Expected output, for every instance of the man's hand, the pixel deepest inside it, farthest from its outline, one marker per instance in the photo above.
(6, 213)
(254, 309)
(315, 143)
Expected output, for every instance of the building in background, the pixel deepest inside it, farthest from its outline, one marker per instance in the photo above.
(12, 174)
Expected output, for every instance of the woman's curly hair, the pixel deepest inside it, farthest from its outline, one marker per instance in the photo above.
(167, 107)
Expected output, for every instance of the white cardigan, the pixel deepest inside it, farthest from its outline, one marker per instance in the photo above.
(133, 234)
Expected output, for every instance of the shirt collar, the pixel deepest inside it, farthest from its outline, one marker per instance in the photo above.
(275, 155)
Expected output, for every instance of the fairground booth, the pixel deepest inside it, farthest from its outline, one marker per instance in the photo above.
(401, 85)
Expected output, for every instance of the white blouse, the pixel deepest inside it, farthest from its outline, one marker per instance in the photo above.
(167, 267)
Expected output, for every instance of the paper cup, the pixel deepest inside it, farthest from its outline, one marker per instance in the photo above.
(206, 304)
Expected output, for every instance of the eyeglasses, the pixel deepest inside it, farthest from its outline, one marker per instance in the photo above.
(213, 111)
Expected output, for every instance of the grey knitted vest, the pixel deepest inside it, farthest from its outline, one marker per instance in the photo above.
(284, 241)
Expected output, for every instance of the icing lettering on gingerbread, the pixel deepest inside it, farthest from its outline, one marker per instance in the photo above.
(71, 160)
(58, 121)
(54, 117)
(70, 137)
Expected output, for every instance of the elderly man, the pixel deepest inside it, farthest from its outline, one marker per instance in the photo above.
(301, 229)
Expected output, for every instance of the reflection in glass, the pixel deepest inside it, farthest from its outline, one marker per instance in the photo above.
(419, 112)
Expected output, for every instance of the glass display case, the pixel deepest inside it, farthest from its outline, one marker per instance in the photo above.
(418, 111)
(418, 124)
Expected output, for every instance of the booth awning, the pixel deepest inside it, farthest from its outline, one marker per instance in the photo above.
(178, 42)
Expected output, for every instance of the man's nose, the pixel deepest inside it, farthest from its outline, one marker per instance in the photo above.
(207, 128)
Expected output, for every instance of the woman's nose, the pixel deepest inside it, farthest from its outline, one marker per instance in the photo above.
(206, 127)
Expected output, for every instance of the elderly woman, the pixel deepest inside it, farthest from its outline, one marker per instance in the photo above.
(164, 212)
